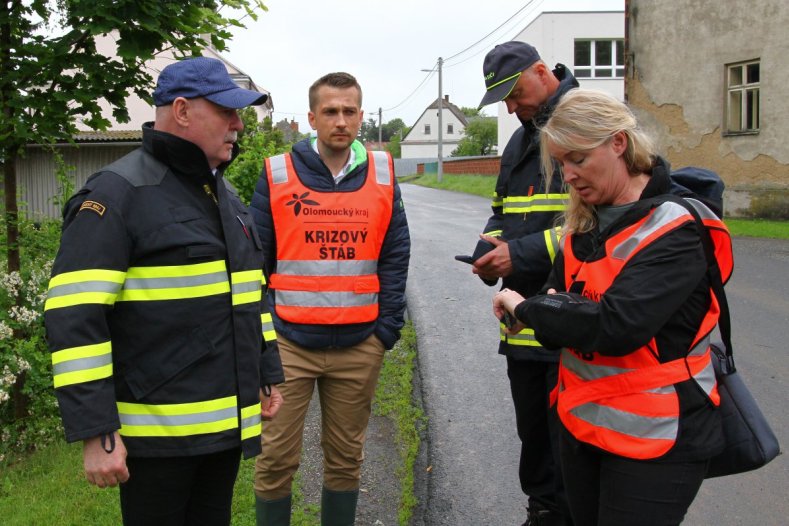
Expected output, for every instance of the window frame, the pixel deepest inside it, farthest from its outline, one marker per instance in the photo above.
(427, 129)
(743, 89)
(615, 67)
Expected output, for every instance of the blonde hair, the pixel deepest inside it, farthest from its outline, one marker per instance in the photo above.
(583, 120)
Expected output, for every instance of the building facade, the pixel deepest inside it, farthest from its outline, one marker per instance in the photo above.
(709, 79)
(422, 140)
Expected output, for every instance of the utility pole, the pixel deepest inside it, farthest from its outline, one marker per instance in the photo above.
(379, 127)
(440, 169)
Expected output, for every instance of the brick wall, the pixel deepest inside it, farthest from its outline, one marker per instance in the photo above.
(470, 165)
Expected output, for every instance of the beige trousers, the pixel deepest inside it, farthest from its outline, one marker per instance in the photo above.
(346, 381)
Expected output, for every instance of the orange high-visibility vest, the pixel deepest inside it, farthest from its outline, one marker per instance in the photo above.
(627, 405)
(328, 244)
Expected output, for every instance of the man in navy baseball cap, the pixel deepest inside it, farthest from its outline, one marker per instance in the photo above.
(203, 77)
(522, 233)
(503, 67)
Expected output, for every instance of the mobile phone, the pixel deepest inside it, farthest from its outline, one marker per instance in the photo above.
(508, 320)
(465, 259)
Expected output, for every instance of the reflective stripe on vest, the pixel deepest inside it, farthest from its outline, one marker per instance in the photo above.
(177, 420)
(82, 364)
(524, 204)
(327, 272)
(628, 405)
(552, 241)
(82, 287)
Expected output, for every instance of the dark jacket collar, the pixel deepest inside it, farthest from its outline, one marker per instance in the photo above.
(179, 154)
(659, 181)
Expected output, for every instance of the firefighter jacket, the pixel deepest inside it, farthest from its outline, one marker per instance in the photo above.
(635, 377)
(525, 214)
(154, 314)
(337, 252)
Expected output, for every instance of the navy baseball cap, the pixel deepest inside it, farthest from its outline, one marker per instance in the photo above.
(503, 67)
(203, 77)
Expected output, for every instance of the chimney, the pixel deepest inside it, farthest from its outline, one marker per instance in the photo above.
(294, 126)
(446, 98)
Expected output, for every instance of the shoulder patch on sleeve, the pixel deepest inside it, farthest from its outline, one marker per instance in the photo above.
(93, 206)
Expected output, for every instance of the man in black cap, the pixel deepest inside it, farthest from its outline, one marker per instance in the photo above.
(164, 356)
(525, 242)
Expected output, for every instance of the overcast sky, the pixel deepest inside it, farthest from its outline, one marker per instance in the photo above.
(384, 44)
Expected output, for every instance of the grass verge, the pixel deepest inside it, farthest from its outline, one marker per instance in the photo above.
(48, 487)
(484, 186)
(394, 400)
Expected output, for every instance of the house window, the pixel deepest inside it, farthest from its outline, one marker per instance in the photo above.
(427, 129)
(742, 97)
(450, 129)
(599, 59)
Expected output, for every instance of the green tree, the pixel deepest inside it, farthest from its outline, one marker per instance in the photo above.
(391, 128)
(393, 146)
(472, 112)
(244, 171)
(480, 137)
(369, 131)
(51, 72)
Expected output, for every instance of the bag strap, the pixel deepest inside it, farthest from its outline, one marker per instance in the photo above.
(716, 282)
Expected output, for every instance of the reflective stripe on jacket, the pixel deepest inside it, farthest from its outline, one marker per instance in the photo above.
(329, 244)
(627, 405)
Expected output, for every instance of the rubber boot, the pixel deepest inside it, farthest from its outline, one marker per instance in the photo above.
(338, 508)
(273, 512)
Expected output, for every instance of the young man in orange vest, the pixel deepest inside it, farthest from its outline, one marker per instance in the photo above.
(336, 246)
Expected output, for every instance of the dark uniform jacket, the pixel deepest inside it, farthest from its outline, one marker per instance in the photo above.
(663, 291)
(525, 217)
(392, 263)
(154, 313)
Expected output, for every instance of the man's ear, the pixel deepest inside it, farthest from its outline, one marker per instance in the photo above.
(180, 111)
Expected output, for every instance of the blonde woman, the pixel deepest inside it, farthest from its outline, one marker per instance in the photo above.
(629, 308)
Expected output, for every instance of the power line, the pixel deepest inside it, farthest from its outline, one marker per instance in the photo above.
(486, 36)
(427, 77)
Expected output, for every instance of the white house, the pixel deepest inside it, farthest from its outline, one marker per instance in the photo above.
(590, 44)
(422, 140)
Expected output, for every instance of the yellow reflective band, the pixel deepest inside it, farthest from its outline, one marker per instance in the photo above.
(535, 203)
(175, 282)
(174, 420)
(82, 364)
(177, 409)
(525, 338)
(83, 287)
(552, 241)
(250, 422)
(493, 233)
(177, 271)
(269, 334)
(246, 286)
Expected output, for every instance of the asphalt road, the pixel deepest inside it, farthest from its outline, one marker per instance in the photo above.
(471, 444)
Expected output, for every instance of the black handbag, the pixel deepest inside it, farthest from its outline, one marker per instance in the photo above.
(750, 442)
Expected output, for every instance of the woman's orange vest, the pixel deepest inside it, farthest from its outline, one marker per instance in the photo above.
(627, 405)
(328, 244)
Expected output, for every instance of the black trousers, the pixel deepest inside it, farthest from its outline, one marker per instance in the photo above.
(609, 490)
(538, 429)
(174, 491)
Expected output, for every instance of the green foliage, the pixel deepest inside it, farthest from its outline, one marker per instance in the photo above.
(244, 171)
(28, 410)
(472, 112)
(480, 137)
(769, 204)
(369, 130)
